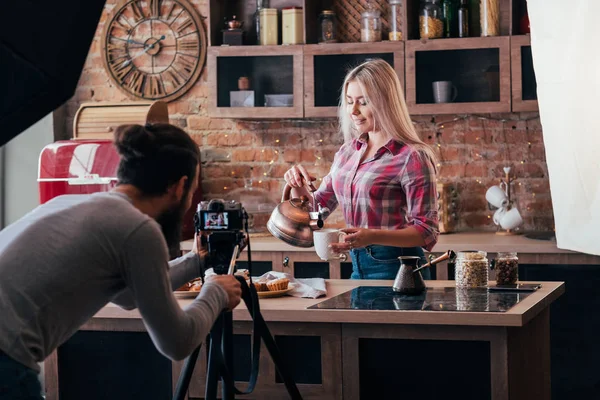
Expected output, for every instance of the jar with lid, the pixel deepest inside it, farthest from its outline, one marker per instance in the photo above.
(431, 24)
(395, 20)
(327, 27)
(471, 269)
(506, 265)
(370, 27)
(292, 25)
(269, 26)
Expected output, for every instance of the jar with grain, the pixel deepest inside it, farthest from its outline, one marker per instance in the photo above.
(471, 270)
(506, 266)
(489, 17)
(395, 19)
(370, 27)
(431, 23)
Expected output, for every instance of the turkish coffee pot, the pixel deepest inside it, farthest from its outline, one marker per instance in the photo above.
(294, 220)
(409, 279)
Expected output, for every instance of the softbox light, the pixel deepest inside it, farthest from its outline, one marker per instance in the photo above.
(43, 47)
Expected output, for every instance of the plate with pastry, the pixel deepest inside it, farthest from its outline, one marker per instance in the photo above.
(273, 288)
(190, 290)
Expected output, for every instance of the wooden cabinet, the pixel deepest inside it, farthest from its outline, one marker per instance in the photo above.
(325, 67)
(311, 352)
(272, 70)
(479, 69)
(524, 85)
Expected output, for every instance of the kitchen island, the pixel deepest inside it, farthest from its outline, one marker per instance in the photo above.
(352, 354)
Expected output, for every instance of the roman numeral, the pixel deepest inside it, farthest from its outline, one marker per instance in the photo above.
(188, 44)
(173, 78)
(121, 69)
(136, 81)
(137, 11)
(117, 48)
(155, 8)
(187, 67)
(154, 87)
(169, 11)
(187, 22)
(123, 22)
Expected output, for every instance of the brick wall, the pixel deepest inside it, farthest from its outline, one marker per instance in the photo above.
(246, 160)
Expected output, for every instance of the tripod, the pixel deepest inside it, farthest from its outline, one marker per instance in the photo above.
(220, 354)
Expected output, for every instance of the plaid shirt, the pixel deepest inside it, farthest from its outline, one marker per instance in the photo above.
(392, 190)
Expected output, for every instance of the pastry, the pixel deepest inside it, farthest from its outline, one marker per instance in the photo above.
(278, 284)
(260, 286)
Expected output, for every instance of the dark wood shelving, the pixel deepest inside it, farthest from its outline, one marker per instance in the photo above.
(524, 85)
(478, 67)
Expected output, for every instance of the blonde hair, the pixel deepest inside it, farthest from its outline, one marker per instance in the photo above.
(383, 92)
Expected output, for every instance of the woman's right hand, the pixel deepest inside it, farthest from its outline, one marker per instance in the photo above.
(297, 176)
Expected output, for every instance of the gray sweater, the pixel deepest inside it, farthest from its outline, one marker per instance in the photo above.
(69, 257)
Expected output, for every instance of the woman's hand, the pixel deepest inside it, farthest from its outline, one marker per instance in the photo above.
(355, 238)
(297, 176)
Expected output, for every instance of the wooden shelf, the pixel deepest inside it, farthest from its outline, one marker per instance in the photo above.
(331, 62)
(524, 86)
(271, 69)
(464, 62)
(315, 72)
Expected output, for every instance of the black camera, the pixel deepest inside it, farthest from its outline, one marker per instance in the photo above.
(222, 225)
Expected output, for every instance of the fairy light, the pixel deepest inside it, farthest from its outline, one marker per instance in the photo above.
(277, 141)
(224, 187)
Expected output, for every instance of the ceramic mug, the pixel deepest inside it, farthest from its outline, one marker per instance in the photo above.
(323, 238)
(496, 196)
(498, 215)
(511, 219)
(444, 92)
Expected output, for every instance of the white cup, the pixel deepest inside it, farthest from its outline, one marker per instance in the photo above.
(511, 219)
(498, 215)
(323, 238)
(496, 196)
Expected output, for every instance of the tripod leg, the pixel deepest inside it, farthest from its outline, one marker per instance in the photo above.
(214, 367)
(277, 359)
(228, 389)
(186, 375)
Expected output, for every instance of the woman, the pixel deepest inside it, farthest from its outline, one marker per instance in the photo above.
(383, 176)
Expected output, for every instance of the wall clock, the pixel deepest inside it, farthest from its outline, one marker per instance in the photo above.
(154, 49)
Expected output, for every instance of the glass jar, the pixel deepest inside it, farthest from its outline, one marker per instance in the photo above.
(327, 27)
(395, 20)
(507, 268)
(370, 27)
(489, 17)
(471, 269)
(431, 24)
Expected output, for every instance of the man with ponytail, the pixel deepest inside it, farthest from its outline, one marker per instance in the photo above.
(383, 176)
(68, 258)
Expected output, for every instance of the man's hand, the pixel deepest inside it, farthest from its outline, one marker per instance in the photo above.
(232, 287)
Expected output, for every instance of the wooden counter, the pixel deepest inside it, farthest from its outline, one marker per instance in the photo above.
(512, 348)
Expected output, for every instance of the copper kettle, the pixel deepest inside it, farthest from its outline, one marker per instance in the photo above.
(294, 220)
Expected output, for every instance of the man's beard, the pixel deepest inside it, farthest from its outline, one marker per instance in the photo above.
(171, 222)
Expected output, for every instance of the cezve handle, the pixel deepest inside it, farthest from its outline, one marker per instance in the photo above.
(443, 257)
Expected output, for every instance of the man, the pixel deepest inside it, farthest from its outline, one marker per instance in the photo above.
(68, 258)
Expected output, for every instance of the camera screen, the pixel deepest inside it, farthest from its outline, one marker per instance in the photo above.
(215, 220)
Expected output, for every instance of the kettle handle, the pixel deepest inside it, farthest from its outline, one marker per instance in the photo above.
(287, 191)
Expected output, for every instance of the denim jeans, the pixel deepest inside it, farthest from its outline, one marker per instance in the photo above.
(381, 262)
(17, 382)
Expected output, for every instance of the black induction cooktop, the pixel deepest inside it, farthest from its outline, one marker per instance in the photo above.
(433, 299)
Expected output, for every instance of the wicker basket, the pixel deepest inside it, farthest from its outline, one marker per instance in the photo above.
(349, 15)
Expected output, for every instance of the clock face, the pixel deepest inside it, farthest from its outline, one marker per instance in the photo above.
(154, 49)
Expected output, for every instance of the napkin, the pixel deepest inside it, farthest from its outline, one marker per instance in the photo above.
(310, 287)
